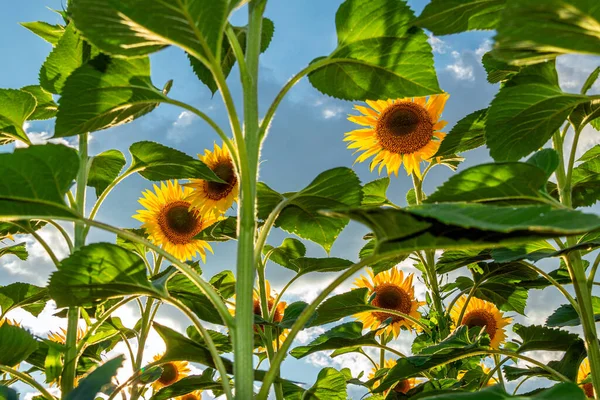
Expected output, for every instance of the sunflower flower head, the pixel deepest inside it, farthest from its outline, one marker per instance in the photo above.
(486, 370)
(171, 221)
(173, 371)
(215, 197)
(61, 336)
(278, 311)
(393, 291)
(482, 313)
(583, 372)
(402, 131)
(9, 322)
(195, 395)
(401, 387)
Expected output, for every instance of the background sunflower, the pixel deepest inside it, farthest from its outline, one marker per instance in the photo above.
(173, 371)
(401, 387)
(481, 313)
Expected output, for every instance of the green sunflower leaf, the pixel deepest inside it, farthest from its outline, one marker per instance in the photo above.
(7, 393)
(291, 314)
(566, 315)
(454, 259)
(461, 337)
(532, 31)
(18, 249)
(104, 93)
(330, 385)
(104, 169)
(340, 337)
(222, 342)
(228, 59)
(498, 70)
(136, 247)
(338, 187)
(29, 297)
(374, 192)
(156, 162)
(342, 305)
(15, 108)
(537, 337)
(91, 385)
(493, 182)
(206, 381)
(35, 181)
(45, 108)
(183, 289)
(443, 17)
(16, 344)
(559, 391)
(467, 134)
(305, 265)
(224, 282)
(133, 28)
(585, 180)
(287, 251)
(532, 251)
(527, 111)
(50, 33)
(380, 54)
(98, 272)
(220, 231)
(383, 265)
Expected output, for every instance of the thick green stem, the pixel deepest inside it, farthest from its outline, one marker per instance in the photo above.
(28, 380)
(70, 362)
(243, 336)
(574, 263)
(144, 330)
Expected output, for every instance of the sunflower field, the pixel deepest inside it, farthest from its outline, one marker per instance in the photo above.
(433, 297)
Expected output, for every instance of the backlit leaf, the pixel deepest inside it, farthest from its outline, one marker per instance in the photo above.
(497, 70)
(23, 295)
(374, 192)
(18, 249)
(183, 289)
(566, 315)
(289, 250)
(16, 344)
(46, 107)
(104, 169)
(15, 108)
(91, 385)
(339, 337)
(467, 134)
(48, 32)
(537, 337)
(443, 17)
(330, 385)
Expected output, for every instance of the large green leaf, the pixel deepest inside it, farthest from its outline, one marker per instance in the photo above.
(224, 282)
(454, 259)
(222, 342)
(533, 251)
(443, 17)
(104, 169)
(206, 381)
(339, 337)
(532, 30)
(35, 181)
(228, 59)
(493, 182)
(537, 337)
(330, 385)
(559, 391)
(70, 53)
(566, 315)
(17, 249)
(138, 27)
(306, 265)
(183, 289)
(220, 231)
(23, 295)
(383, 265)
(46, 107)
(7, 393)
(48, 32)
(467, 134)
(527, 111)
(335, 188)
(497, 70)
(15, 107)
(343, 305)
(106, 92)
(374, 192)
(98, 272)
(379, 54)
(88, 388)
(586, 179)
(16, 344)
(156, 162)
(289, 249)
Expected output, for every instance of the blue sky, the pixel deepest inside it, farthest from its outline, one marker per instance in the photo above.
(304, 140)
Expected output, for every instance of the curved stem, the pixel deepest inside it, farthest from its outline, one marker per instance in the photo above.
(266, 228)
(464, 308)
(28, 380)
(569, 170)
(239, 55)
(370, 359)
(593, 271)
(554, 283)
(493, 371)
(500, 377)
(209, 343)
(62, 231)
(280, 294)
(455, 299)
(42, 242)
(521, 383)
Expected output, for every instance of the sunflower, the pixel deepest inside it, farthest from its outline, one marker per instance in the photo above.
(482, 313)
(401, 387)
(173, 371)
(491, 382)
(172, 223)
(195, 395)
(61, 337)
(399, 131)
(582, 374)
(278, 313)
(214, 197)
(394, 292)
(9, 322)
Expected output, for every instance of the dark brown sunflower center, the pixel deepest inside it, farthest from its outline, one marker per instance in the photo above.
(178, 223)
(588, 389)
(190, 396)
(169, 375)
(402, 387)
(481, 318)
(216, 190)
(277, 317)
(404, 128)
(392, 297)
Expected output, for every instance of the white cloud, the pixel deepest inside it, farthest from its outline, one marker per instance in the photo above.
(42, 137)
(574, 69)
(459, 69)
(438, 45)
(331, 112)
(177, 132)
(483, 48)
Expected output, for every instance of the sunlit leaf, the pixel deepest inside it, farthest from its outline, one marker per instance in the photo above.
(35, 181)
(15, 108)
(454, 259)
(342, 305)
(339, 337)
(443, 17)
(18, 249)
(383, 265)
(29, 297)
(527, 111)
(206, 381)
(222, 342)
(330, 385)
(533, 251)
(566, 315)
(88, 388)
(48, 32)
(97, 272)
(537, 337)
(156, 162)
(224, 282)
(16, 344)
(374, 192)
(289, 249)
(305, 265)
(183, 289)
(104, 169)
(136, 247)
(104, 93)
(532, 31)
(220, 231)
(380, 54)
(467, 134)
(497, 70)
(46, 107)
